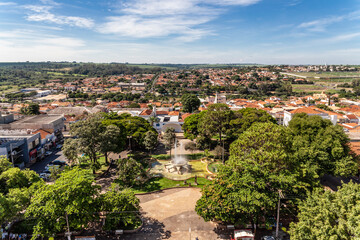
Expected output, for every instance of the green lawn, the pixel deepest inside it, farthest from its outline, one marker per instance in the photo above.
(101, 160)
(213, 167)
(156, 184)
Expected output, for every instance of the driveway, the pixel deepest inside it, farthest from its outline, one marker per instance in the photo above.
(40, 166)
(171, 214)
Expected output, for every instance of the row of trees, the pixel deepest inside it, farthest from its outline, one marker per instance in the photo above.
(267, 158)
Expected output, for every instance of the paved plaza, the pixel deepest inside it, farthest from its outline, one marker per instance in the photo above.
(170, 214)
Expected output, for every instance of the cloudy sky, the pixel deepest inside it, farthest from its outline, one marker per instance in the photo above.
(181, 31)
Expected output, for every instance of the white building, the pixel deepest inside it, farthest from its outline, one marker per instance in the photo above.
(288, 115)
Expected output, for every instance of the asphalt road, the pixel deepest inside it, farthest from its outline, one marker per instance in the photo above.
(40, 166)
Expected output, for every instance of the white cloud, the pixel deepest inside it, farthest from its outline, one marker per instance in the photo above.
(232, 2)
(23, 45)
(50, 2)
(41, 13)
(182, 19)
(344, 37)
(161, 7)
(320, 24)
(7, 3)
(140, 27)
(62, 41)
(294, 3)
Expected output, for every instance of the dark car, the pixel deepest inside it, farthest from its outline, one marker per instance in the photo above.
(58, 162)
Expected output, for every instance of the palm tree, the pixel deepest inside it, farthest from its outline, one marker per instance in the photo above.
(153, 120)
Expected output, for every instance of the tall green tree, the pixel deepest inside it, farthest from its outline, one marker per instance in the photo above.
(74, 193)
(4, 164)
(113, 139)
(89, 137)
(131, 173)
(320, 148)
(70, 149)
(244, 118)
(169, 138)
(135, 127)
(16, 178)
(191, 125)
(121, 206)
(216, 120)
(30, 109)
(153, 120)
(246, 188)
(150, 140)
(329, 215)
(190, 103)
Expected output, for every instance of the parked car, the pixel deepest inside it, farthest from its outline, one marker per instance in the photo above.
(48, 153)
(268, 238)
(59, 146)
(58, 162)
(45, 174)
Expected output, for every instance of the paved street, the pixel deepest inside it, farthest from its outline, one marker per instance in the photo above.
(40, 166)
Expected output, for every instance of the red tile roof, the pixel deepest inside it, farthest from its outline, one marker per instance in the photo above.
(162, 112)
(43, 133)
(185, 115)
(146, 112)
(351, 116)
(174, 113)
(306, 110)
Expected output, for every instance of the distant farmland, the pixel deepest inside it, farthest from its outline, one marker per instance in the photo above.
(324, 75)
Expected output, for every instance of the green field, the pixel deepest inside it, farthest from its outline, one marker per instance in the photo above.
(327, 74)
(9, 89)
(147, 66)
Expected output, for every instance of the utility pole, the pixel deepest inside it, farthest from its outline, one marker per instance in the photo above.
(278, 215)
(11, 155)
(68, 234)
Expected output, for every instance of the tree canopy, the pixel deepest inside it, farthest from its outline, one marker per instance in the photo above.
(190, 103)
(329, 215)
(191, 125)
(320, 148)
(30, 109)
(246, 188)
(267, 158)
(244, 118)
(135, 127)
(150, 140)
(75, 194)
(216, 120)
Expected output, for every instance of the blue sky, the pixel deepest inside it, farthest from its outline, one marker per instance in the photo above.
(181, 31)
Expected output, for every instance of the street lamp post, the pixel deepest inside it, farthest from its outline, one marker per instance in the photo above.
(11, 155)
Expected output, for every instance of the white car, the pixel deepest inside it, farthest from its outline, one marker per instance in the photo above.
(45, 174)
(48, 153)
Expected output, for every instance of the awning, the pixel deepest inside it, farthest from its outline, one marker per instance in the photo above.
(33, 152)
(243, 234)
